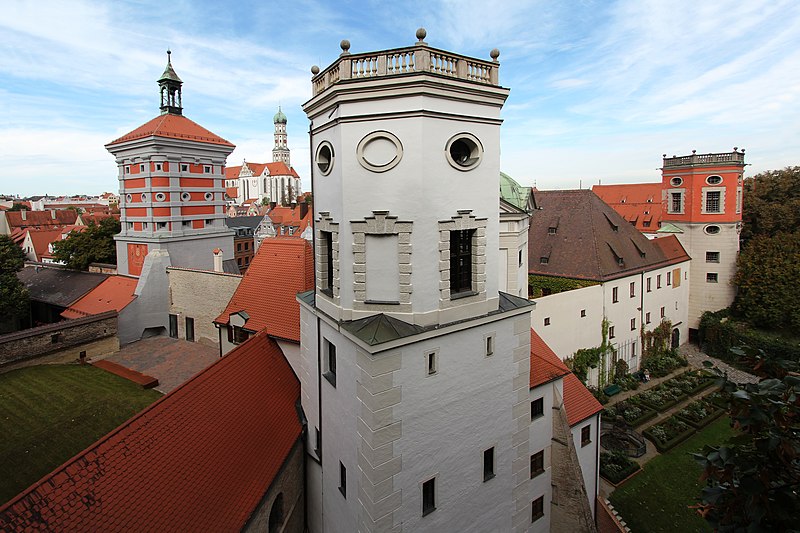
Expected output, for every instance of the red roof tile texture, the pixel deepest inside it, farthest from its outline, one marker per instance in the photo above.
(115, 293)
(639, 203)
(278, 168)
(172, 126)
(672, 248)
(578, 401)
(199, 459)
(41, 239)
(545, 364)
(281, 268)
(27, 219)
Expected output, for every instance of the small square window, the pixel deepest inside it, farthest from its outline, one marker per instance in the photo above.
(537, 509)
(161, 225)
(537, 464)
(547, 321)
(537, 408)
(586, 435)
(209, 222)
(712, 257)
(127, 170)
(158, 166)
(611, 332)
(330, 362)
(712, 277)
(184, 168)
(55, 338)
(141, 168)
(633, 324)
(488, 464)
(207, 169)
(429, 496)
(552, 230)
(343, 480)
(186, 223)
(583, 313)
(431, 363)
(544, 260)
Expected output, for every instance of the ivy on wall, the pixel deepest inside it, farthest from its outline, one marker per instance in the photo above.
(586, 358)
(545, 285)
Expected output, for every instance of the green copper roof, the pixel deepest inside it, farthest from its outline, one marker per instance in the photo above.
(169, 72)
(669, 228)
(279, 117)
(513, 193)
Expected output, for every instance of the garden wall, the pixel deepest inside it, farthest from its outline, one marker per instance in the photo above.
(60, 342)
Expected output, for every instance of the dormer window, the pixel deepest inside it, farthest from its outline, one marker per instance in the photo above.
(552, 231)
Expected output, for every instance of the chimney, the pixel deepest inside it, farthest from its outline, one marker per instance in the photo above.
(53, 213)
(217, 260)
(23, 214)
(303, 210)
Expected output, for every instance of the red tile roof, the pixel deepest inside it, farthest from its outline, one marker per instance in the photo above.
(545, 364)
(672, 248)
(173, 126)
(232, 192)
(56, 217)
(578, 401)
(96, 217)
(278, 168)
(116, 292)
(636, 202)
(281, 268)
(199, 459)
(41, 239)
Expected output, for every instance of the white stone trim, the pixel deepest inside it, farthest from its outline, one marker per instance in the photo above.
(463, 221)
(326, 223)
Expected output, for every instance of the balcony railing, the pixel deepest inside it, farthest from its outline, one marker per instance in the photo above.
(417, 58)
(705, 159)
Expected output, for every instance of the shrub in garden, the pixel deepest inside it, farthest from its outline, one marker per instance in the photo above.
(616, 466)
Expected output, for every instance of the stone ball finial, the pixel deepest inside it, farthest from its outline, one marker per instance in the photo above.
(314, 70)
(735, 148)
(421, 34)
(345, 44)
(742, 150)
(663, 155)
(494, 54)
(694, 151)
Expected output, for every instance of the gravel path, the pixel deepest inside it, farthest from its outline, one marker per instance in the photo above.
(696, 357)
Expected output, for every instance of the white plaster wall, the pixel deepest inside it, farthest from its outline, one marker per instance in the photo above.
(541, 434)
(291, 351)
(309, 398)
(588, 457)
(567, 331)
(513, 240)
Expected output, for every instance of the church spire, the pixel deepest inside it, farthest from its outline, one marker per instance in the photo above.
(281, 150)
(170, 85)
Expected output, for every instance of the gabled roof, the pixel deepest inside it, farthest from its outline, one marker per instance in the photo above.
(54, 217)
(95, 217)
(277, 168)
(672, 248)
(115, 293)
(545, 364)
(231, 192)
(578, 401)
(290, 216)
(583, 238)
(280, 269)
(243, 222)
(199, 459)
(58, 286)
(41, 239)
(635, 202)
(175, 127)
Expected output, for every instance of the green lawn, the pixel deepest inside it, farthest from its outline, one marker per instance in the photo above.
(50, 413)
(657, 499)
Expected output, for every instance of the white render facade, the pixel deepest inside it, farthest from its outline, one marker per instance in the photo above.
(571, 320)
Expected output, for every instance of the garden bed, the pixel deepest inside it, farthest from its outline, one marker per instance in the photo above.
(699, 413)
(662, 397)
(691, 382)
(616, 468)
(669, 433)
(634, 413)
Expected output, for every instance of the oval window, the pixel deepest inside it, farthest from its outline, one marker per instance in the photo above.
(676, 182)
(464, 151)
(712, 230)
(160, 197)
(185, 196)
(144, 196)
(379, 151)
(714, 180)
(128, 197)
(324, 157)
(209, 196)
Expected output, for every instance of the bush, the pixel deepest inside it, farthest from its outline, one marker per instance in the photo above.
(668, 433)
(718, 334)
(616, 466)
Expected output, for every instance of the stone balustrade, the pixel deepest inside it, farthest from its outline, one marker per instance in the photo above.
(736, 157)
(417, 58)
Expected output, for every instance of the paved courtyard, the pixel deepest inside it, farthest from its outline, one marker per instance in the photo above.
(171, 361)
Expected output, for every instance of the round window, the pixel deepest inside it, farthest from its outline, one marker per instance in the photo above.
(144, 196)
(209, 196)
(464, 151)
(712, 230)
(185, 196)
(676, 182)
(160, 197)
(324, 157)
(714, 180)
(379, 151)
(128, 197)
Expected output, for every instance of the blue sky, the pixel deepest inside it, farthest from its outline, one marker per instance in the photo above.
(599, 89)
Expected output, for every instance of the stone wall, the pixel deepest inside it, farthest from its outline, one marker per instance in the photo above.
(289, 484)
(60, 342)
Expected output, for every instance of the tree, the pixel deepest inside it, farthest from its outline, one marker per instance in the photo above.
(14, 303)
(754, 479)
(95, 244)
(768, 274)
(771, 203)
(18, 207)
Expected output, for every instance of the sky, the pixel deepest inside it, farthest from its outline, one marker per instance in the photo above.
(600, 90)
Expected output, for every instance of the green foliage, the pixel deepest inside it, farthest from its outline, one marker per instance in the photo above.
(18, 207)
(753, 481)
(771, 203)
(14, 302)
(586, 358)
(545, 285)
(658, 357)
(719, 334)
(616, 466)
(768, 274)
(95, 244)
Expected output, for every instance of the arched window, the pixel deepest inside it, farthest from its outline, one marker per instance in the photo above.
(276, 514)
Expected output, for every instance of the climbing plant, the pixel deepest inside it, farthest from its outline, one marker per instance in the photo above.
(586, 358)
(658, 357)
(546, 285)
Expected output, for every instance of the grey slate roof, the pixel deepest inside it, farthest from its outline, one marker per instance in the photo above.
(58, 286)
(243, 222)
(583, 238)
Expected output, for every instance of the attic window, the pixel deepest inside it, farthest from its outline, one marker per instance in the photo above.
(622, 201)
(544, 260)
(614, 227)
(551, 230)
